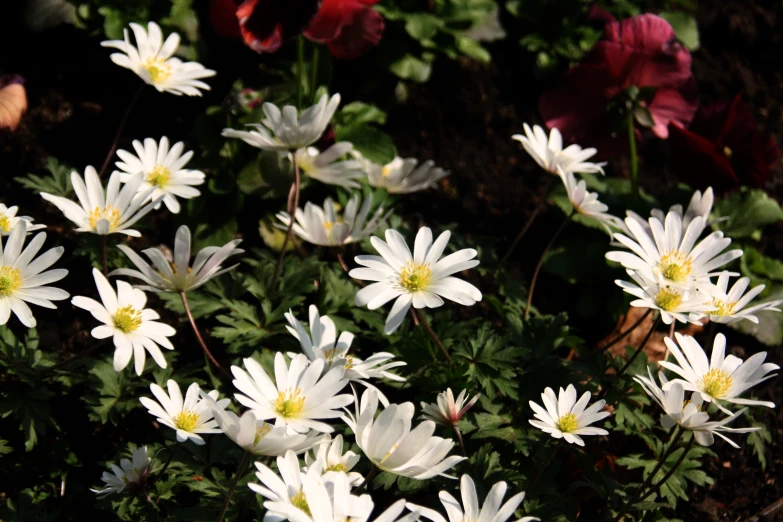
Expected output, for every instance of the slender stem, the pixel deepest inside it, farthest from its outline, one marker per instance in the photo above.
(171, 458)
(459, 438)
(541, 470)
(433, 336)
(240, 472)
(342, 261)
(370, 476)
(634, 159)
(541, 262)
(201, 339)
(300, 45)
(293, 204)
(529, 222)
(625, 333)
(117, 136)
(105, 258)
(633, 357)
(314, 71)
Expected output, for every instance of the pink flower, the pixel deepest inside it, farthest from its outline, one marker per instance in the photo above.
(447, 411)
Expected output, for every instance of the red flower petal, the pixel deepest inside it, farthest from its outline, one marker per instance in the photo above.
(700, 162)
(672, 106)
(350, 27)
(222, 15)
(266, 24)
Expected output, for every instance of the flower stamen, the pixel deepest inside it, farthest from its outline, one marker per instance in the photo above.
(109, 213)
(289, 404)
(186, 420)
(159, 176)
(567, 423)
(716, 383)
(675, 266)
(415, 276)
(127, 319)
(10, 280)
(668, 299)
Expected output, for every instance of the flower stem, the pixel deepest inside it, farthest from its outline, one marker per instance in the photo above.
(541, 261)
(540, 471)
(459, 438)
(433, 336)
(240, 472)
(634, 159)
(300, 48)
(117, 136)
(105, 257)
(293, 204)
(529, 222)
(314, 71)
(201, 339)
(370, 476)
(625, 333)
(171, 458)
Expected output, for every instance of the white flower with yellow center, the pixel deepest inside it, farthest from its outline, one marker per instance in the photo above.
(329, 455)
(673, 302)
(327, 168)
(190, 416)
(730, 305)
(299, 399)
(420, 279)
(124, 318)
(130, 475)
(326, 227)
(586, 203)
(152, 60)
(448, 411)
(391, 444)
(163, 170)
(688, 414)
(286, 130)
(9, 219)
(699, 206)
(112, 212)
(550, 155)
(722, 377)
(565, 417)
(403, 176)
(23, 279)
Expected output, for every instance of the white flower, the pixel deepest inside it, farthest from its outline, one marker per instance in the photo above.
(322, 343)
(326, 168)
(325, 227)
(189, 416)
(687, 414)
(447, 411)
(124, 317)
(300, 396)
(418, 279)
(392, 446)
(564, 417)
(284, 131)
(23, 279)
(128, 476)
(258, 437)
(163, 171)
(729, 305)
(548, 152)
(151, 59)
(700, 205)
(586, 203)
(330, 457)
(114, 212)
(722, 378)
(671, 257)
(9, 219)
(673, 302)
(403, 176)
(493, 509)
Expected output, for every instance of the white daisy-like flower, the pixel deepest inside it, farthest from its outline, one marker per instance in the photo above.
(124, 318)
(329, 454)
(178, 275)
(403, 176)
(327, 168)
(722, 377)
(23, 279)
(687, 414)
(326, 227)
(550, 155)
(112, 212)
(284, 130)
(670, 256)
(152, 60)
(586, 203)
(446, 410)
(130, 475)
(163, 171)
(299, 399)
(323, 343)
(673, 302)
(700, 205)
(190, 416)
(391, 444)
(565, 417)
(492, 510)
(420, 279)
(9, 219)
(729, 305)
(258, 437)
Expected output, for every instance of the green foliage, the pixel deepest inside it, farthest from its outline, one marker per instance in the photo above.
(58, 184)
(748, 211)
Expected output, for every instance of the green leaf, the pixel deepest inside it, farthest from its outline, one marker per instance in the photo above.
(748, 211)
(472, 49)
(410, 67)
(359, 112)
(422, 26)
(373, 144)
(685, 28)
(58, 184)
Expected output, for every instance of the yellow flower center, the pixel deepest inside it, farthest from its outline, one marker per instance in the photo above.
(5, 224)
(727, 151)
(300, 502)
(186, 420)
(674, 266)
(109, 213)
(261, 433)
(289, 404)
(415, 276)
(159, 177)
(328, 226)
(10, 280)
(716, 383)
(349, 362)
(127, 319)
(394, 448)
(386, 171)
(157, 69)
(567, 423)
(340, 467)
(723, 308)
(668, 299)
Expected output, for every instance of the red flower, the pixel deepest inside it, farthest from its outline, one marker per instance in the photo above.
(639, 52)
(723, 148)
(349, 27)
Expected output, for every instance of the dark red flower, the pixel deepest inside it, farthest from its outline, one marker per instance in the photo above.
(266, 24)
(349, 27)
(723, 148)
